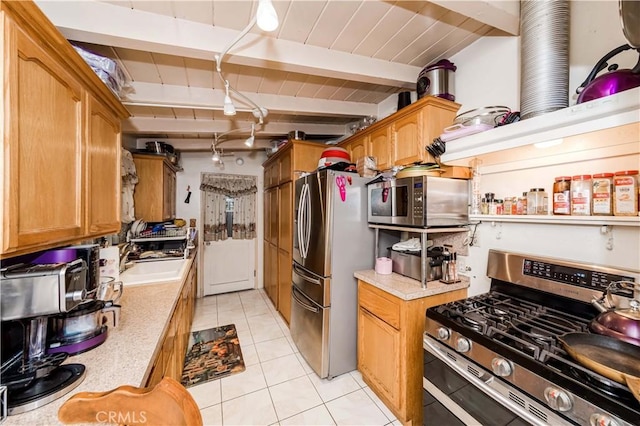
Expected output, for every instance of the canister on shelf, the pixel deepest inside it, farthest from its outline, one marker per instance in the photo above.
(626, 187)
(537, 201)
(601, 200)
(562, 195)
(581, 195)
(510, 205)
(521, 205)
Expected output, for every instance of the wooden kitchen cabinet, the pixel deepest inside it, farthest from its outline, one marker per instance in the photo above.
(390, 347)
(400, 139)
(169, 360)
(60, 123)
(155, 194)
(358, 148)
(103, 214)
(280, 169)
(380, 147)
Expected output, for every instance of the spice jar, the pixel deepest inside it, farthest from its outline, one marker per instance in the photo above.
(521, 204)
(581, 195)
(499, 206)
(537, 201)
(510, 205)
(626, 187)
(562, 195)
(601, 194)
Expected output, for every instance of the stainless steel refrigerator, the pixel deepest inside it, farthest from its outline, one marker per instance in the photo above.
(332, 239)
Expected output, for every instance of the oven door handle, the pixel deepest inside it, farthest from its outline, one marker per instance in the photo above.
(483, 385)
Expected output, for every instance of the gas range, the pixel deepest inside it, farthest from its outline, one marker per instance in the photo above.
(505, 342)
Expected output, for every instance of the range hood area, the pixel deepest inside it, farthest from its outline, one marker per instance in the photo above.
(612, 122)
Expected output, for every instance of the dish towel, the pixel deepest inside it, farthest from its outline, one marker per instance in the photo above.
(412, 244)
(129, 181)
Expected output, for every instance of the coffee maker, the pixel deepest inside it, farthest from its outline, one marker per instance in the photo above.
(29, 295)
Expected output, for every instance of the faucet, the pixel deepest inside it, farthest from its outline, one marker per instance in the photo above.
(125, 250)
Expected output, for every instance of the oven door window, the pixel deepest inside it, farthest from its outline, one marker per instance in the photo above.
(389, 202)
(465, 395)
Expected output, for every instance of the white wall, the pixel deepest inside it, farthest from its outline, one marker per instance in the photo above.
(195, 163)
(489, 70)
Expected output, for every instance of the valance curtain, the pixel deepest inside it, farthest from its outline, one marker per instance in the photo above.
(241, 189)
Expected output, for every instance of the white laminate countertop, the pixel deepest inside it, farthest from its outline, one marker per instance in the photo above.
(407, 288)
(126, 355)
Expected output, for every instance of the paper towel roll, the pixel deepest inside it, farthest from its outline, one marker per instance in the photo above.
(383, 265)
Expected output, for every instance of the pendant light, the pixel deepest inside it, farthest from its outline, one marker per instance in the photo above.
(252, 138)
(229, 108)
(267, 18)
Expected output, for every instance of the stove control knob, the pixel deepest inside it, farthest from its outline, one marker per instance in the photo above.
(463, 344)
(602, 420)
(558, 399)
(501, 367)
(443, 333)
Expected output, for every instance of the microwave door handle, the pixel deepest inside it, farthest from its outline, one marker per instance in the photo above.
(298, 271)
(301, 303)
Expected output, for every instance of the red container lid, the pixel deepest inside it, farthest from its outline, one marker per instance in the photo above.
(603, 175)
(561, 178)
(581, 177)
(336, 153)
(627, 173)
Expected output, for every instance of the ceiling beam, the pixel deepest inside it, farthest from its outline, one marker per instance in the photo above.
(501, 14)
(171, 96)
(146, 125)
(108, 24)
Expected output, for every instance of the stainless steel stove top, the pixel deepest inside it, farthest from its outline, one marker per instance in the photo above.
(511, 334)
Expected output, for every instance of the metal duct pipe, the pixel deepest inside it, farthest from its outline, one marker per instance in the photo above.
(544, 71)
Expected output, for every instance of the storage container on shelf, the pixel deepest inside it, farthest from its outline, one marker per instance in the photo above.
(537, 201)
(581, 195)
(601, 194)
(626, 187)
(562, 195)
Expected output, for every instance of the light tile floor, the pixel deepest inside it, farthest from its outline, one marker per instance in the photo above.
(278, 387)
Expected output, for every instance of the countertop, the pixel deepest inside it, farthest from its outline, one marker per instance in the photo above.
(127, 354)
(407, 288)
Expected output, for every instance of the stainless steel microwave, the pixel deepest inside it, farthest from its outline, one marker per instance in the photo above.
(419, 201)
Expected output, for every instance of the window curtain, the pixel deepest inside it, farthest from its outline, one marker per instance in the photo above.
(217, 187)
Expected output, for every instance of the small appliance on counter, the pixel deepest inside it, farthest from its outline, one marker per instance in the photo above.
(408, 262)
(30, 294)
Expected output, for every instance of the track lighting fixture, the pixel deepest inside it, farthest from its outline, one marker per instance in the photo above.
(252, 138)
(229, 108)
(266, 16)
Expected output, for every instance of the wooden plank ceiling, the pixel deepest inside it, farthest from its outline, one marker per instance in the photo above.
(329, 63)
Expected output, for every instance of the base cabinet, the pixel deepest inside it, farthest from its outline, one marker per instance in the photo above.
(390, 347)
(169, 361)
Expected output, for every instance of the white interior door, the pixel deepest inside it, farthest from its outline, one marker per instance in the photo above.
(229, 265)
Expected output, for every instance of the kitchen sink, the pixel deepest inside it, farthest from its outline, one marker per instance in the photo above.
(154, 272)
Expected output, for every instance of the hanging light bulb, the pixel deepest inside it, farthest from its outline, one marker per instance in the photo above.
(252, 138)
(229, 109)
(266, 16)
(215, 157)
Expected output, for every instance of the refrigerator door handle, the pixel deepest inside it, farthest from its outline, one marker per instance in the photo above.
(298, 271)
(301, 303)
(308, 223)
(305, 219)
(301, 220)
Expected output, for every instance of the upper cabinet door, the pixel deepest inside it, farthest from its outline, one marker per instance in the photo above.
(103, 170)
(43, 146)
(380, 147)
(407, 139)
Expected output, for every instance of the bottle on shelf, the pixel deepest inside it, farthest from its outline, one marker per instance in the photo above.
(581, 195)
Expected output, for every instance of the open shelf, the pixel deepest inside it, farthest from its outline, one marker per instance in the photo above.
(421, 230)
(632, 221)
